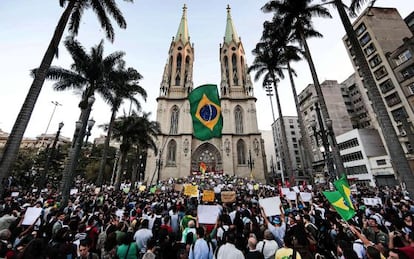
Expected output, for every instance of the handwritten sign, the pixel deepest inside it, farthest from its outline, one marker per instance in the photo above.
(291, 196)
(178, 187)
(372, 201)
(73, 191)
(228, 196)
(191, 190)
(306, 196)
(208, 195)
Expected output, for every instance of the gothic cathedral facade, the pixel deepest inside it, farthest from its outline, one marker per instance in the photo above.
(240, 149)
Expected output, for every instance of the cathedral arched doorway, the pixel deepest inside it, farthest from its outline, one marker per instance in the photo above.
(210, 156)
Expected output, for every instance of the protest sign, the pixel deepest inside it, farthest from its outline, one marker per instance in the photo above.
(228, 196)
(291, 196)
(178, 187)
(73, 191)
(142, 188)
(306, 196)
(285, 190)
(15, 194)
(31, 215)
(207, 214)
(208, 195)
(191, 190)
(372, 201)
(119, 213)
(296, 189)
(271, 206)
(97, 190)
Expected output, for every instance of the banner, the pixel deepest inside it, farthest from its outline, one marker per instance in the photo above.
(207, 214)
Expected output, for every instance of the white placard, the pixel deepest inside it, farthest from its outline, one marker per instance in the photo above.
(372, 201)
(306, 196)
(309, 187)
(285, 190)
(291, 196)
(119, 213)
(271, 206)
(207, 214)
(73, 191)
(31, 215)
(296, 189)
(15, 194)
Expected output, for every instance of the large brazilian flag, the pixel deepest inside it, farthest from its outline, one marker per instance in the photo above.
(206, 112)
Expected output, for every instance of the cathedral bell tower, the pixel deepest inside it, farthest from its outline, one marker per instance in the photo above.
(239, 151)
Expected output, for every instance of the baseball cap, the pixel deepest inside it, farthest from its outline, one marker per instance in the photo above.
(276, 220)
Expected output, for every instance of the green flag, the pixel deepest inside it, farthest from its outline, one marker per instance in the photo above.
(206, 112)
(342, 186)
(337, 201)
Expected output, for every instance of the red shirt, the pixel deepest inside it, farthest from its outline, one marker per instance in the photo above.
(408, 250)
(167, 227)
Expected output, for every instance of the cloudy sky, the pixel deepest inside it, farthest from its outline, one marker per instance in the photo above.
(27, 26)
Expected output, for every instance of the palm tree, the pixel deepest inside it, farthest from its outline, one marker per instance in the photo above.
(268, 63)
(297, 15)
(72, 14)
(398, 158)
(134, 130)
(124, 86)
(89, 73)
(281, 38)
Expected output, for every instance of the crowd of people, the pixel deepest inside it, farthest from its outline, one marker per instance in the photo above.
(161, 221)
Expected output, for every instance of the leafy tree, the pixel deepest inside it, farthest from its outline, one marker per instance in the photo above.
(72, 14)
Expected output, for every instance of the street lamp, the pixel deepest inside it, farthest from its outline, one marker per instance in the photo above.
(50, 155)
(91, 123)
(250, 162)
(159, 165)
(323, 133)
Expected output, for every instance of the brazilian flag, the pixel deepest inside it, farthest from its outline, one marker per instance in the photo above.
(343, 187)
(206, 112)
(338, 202)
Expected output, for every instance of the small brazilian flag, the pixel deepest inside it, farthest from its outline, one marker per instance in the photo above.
(342, 186)
(338, 202)
(206, 112)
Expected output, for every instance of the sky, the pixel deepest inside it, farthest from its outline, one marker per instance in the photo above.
(27, 26)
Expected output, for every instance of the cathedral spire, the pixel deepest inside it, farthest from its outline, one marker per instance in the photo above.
(231, 34)
(182, 33)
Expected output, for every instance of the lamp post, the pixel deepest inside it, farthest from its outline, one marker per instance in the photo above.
(324, 133)
(250, 162)
(159, 165)
(72, 161)
(91, 123)
(50, 155)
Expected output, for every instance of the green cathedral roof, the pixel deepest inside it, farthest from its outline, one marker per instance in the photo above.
(231, 34)
(182, 33)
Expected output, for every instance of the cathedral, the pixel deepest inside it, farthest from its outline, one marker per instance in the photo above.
(240, 150)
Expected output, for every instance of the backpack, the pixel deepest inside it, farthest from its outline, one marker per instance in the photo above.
(223, 238)
(48, 228)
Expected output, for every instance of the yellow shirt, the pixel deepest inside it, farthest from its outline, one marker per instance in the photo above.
(286, 253)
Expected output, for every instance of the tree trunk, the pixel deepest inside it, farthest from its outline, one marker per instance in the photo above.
(135, 167)
(105, 149)
(332, 140)
(12, 146)
(120, 169)
(286, 154)
(398, 158)
(72, 160)
(307, 148)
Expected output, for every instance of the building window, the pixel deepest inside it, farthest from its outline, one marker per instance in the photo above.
(360, 169)
(361, 28)
(411, 88)
(352, 157)
(172, 151)
(238, 118)
(294, 140)
(380, 73)
(404, 56)
(386, 86)
(292, 133)
(375, 61)
(348, 144)
(381, 162)
(408, 72)
(369, 49)
(174, 120)
(241, 152)
(365, 39)
(399, 113)
(392, 99)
